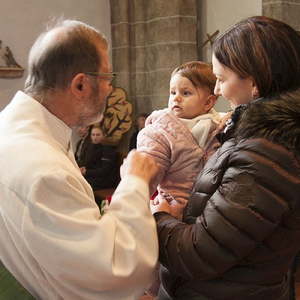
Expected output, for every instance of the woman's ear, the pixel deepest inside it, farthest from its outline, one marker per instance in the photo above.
(255, 91)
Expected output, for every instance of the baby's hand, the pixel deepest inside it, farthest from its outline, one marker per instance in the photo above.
(162, 205)
(167, 203)
(168, 197)
(155, 200)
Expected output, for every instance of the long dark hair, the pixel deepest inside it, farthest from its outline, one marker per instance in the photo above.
(266, 50)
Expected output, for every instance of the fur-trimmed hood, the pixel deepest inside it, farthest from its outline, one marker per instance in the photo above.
(276, 119)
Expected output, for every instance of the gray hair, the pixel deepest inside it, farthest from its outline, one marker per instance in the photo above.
(62, 51)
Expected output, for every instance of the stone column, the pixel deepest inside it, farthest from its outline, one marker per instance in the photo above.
(287, 11)
(149, 39)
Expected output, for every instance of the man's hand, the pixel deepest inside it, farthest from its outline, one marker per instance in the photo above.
(83, 170)
(139, 164)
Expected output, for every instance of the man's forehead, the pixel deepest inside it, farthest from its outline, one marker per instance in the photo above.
(105, 65)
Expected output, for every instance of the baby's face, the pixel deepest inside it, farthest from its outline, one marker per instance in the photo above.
(96, 136)
(185, 100)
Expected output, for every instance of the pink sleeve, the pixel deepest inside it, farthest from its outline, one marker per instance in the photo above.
(152, 141)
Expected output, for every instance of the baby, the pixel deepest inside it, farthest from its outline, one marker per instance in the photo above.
(182, 136)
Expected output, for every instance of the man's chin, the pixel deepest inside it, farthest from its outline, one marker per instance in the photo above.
(92, 120)
(97, 119)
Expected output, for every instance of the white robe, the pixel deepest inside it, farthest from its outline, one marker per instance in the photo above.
(53, 238)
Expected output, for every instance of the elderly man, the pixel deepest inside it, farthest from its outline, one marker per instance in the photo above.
(53, 239)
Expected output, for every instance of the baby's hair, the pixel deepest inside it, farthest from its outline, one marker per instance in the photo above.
(199, 73)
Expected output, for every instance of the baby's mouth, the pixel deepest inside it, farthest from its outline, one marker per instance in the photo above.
(176, 107)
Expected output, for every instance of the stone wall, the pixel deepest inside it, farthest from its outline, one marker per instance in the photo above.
(149, 39)
(287, 11)
(18, 30)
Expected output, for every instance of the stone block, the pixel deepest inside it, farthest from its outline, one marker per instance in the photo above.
(159, 102)
(121, 59)
(291, 14)
(285, 11)
(169, 56)
(139, 83)
(161, 56)
(120, 35)
(173, 28)
(188, 53)
(143, 104)
(138, 34)
(119, 11)
(123, 81)
(159, 9)
(140, 59)
(158, 83)
(188, 29)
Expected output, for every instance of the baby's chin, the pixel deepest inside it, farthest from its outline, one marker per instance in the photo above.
(176, 112)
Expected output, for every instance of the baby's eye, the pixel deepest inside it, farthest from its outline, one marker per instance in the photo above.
(187, 93)
(172, 93)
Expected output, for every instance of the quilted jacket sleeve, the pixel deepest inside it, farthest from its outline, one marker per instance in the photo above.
(154, 143)
(241, 211)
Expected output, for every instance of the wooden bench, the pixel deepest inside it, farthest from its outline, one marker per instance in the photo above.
(103, 193)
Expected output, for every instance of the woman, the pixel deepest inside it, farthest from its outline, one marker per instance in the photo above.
(242, 223)
(99, 165)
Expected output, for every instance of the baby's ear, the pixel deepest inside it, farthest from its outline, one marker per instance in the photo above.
(211, 101)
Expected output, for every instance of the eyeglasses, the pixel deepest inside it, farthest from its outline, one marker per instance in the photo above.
(106, 76)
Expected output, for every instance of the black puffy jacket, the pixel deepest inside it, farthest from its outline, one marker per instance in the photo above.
(242, 223)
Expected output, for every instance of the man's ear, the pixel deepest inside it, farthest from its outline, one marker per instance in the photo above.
(210, 102)
(79, 85)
